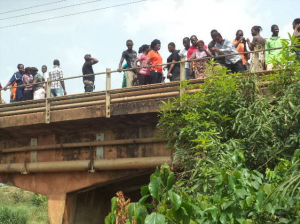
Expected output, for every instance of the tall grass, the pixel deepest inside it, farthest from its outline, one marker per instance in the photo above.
(13, 215)
(22, 207)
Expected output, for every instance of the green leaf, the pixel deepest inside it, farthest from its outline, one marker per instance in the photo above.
(175, 200)
(249, 200)
(155, 218)
(188, 208)
(268, 188)
(144, 190)
(154, 188)
(170, 182)
(241, 193)
(223, 218)
(143, 199)
(226, 204)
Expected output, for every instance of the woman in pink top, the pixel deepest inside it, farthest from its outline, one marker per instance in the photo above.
(143, 73)
(200, 66)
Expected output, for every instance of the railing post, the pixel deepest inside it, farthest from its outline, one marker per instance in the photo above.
(182, 78)
(47, 108)
(108, 87)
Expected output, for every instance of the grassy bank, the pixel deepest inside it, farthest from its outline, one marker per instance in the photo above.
(22, 207)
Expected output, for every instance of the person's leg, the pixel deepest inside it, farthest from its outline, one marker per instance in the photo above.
(129, 78)
(59, 92)
(154, 76)
(229, 68)
(159, 77)
(187, 73)
(19, 94)
(239, 67)
(53, 93)
(147, 79)
(141, 79)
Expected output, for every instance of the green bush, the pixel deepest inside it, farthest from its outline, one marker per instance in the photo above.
(12, 215)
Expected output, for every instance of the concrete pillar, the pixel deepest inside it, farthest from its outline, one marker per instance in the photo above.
(56, 208)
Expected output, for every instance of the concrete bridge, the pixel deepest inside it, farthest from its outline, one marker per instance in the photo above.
(79, 150)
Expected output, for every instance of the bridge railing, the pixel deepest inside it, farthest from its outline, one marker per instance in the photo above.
(108, 96)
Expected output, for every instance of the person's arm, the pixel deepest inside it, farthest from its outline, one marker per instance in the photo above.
(62, 82)
(207, 51)
(94, 61)
(296, 32)
(237, 43)
(169, 75)
(121, 62)
(251, 45)
(10, 82)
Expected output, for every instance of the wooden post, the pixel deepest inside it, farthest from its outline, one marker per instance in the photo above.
(47, 107)
(182, 78)
(108, 87)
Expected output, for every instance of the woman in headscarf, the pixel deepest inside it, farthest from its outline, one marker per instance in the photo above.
(200, 66)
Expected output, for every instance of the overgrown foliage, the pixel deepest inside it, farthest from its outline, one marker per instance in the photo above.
(236, 144)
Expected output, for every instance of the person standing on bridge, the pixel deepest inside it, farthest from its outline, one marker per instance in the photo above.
(38, 89)
(17, 78)
(87, 69)
(258, 43)
(220, 61)
(225, 47)
(45, 73)
(240, 44)
(273, 42)
(173, 69)
(143, 73)
(129, 55)
(57, 87)
(154, 58)
(28, 80)
(183, 53)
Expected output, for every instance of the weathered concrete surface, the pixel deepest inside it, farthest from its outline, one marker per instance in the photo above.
(75, 196)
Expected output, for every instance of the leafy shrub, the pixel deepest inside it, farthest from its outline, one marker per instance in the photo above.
(11, 215)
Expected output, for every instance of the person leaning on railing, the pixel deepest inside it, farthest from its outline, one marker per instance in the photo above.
(38, 88)
(154, 58)
(240, 44)
(226, 47)
(17, 78)
(28, 80)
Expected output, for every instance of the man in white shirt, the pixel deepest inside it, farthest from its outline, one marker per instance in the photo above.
(225, 47)
(183, 53)
(57, 87)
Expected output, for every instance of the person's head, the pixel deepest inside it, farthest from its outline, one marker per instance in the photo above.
(155, 45)
(194, 40)
(275, 30)
(56, 62)
(21, 68)
(33, 70)
(217, 37)
(27, 70)
(44, 68)
(171, 47)
(129, 44)
(87, 57)
(200, 45)
(256, 30)
(186, 42)
(213, 32)
(239, 35)
(296, 22)
(144, 49)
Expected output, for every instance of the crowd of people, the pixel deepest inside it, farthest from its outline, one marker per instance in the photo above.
(148, 55)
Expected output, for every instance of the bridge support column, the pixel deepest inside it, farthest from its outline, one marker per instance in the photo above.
(56, 208)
